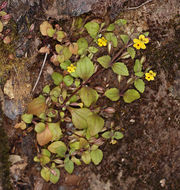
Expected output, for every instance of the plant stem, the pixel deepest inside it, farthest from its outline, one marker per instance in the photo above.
(95, 74)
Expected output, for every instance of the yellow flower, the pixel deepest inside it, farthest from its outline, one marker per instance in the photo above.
(113, 141)
(140, 43)
(102, 42)
(150, 76)
(71, 68)
(143, 39)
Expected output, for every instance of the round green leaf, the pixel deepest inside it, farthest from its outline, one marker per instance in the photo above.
(95, 124)
(106, 135)
(111, 27)
(85, 68)
(118, 135)
(54, 175)
(68, 80)
(39, 127)
(92, 28)
(27, 118)
(65, 64)
(76, 160)
(104, 61)
(46, 89)
(96, 156)
(82, 45)
(45, 152)
(88, 96)
(55, 131)
(140, 85)
(131, 52)
(58, 147)
(68, 165)
(131, 95)
(120, 69)
(50, 32)
(57, 78)
(137, 66)
(93, 49)
(125, 38)
(79, 117)
(112, 94)
(86, 157)
(45, 174)
(111, 38)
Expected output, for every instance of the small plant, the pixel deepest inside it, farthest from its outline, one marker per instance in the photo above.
(68, 123)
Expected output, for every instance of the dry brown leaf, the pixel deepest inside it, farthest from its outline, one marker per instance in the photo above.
(44, 49)
(44, 137)
(37, 106)
(54, 60)
(73, 48)
(8, 89)
(21, 125)
(44, 26)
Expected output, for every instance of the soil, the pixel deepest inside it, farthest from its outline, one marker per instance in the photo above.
(148, 157)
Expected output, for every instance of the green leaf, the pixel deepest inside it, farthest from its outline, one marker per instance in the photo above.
(75, 145)
(39, 127)
(45, 152)
(68, 80)
(58, 48)
(76, 160)
(118, 135)
(106, 135)
(125, 55)
(54, 175)
(92, 49)
(146, 34)
(125, 38)
(131, 52)
(104, 61)
(60, 35)
(55, 130)
(57, 78)
(131, 95)
(65, 64)
(60, 58)
(58, 147)
(68, 165)
(139, 74)
(137, 66)
(79, 117)
(121, 22)
(96, 156)
(55, 92)
(45, 174)
(85, 68)
(88, 96)
(95, 124)
(27, 118)
(92, 28)
(111, 38)
(46, 89)
(111, 27)
(120, 69)
(44, 160)
(82, 45)
(112, 94)
(50, 32)
(67, 53)
(140, 85)
(86, 157)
